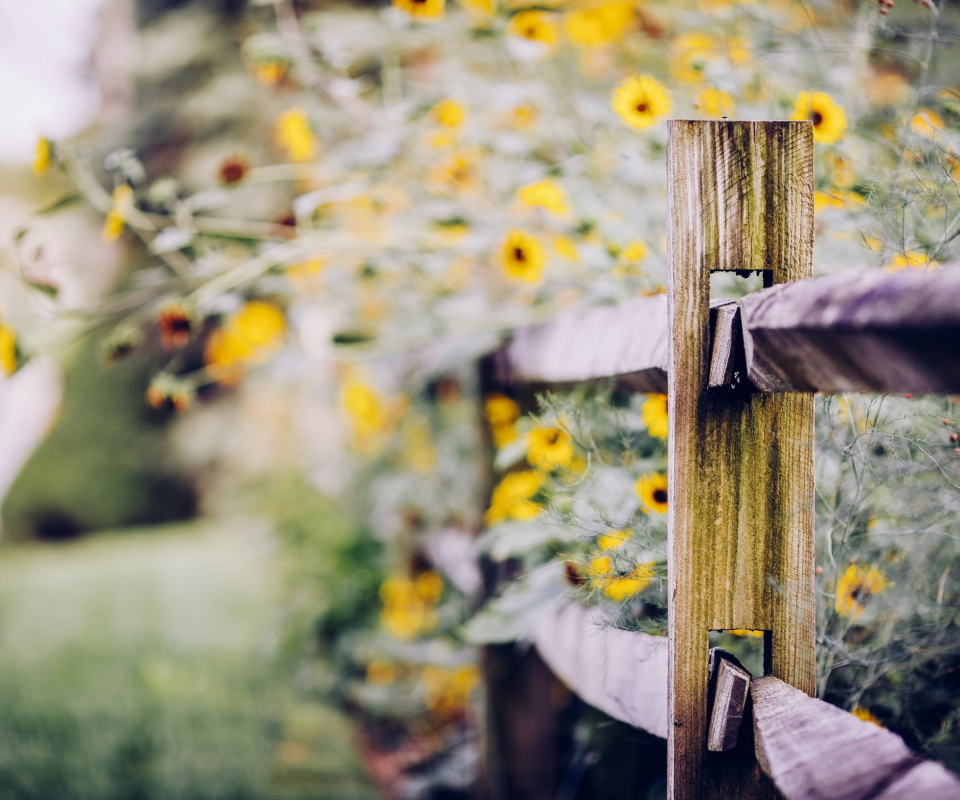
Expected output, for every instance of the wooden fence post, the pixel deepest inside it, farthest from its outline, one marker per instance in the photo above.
(740, 197)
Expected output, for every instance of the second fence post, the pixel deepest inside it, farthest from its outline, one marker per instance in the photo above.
(740, 197)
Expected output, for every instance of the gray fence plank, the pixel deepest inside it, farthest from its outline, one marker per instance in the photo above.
(623, 674)
(815, 751)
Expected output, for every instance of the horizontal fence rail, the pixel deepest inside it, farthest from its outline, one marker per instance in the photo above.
(815, 751)
(857, 332)
(624, 674)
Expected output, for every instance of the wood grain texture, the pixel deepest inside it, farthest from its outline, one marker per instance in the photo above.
(628, 341)
(867, 331)
(740, 524)
(729, 689)
(815, 751)
(623, 674)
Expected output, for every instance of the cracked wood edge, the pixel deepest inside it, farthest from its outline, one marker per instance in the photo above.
(815, 751)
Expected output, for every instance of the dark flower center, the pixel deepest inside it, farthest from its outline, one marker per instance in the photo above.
(660, 496)
(816, 117)
(642, 108)
(519, 254)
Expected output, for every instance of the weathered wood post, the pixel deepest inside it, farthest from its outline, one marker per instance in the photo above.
(740, 197)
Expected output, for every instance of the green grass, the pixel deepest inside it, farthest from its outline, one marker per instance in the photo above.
(142, 666)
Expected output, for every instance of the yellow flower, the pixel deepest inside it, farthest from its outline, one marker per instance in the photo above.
(829, 119)
(926, 122)
(535, 26)
(512, 497)
(500, 410)
(866, 715)
(640, 101)
(523, 117)
(545, 194)
(654, 415)
(690, 54)
(612, 540)
(855, 587)
(250, 336)
(837, 199)
(42, 155)
(714, 103)
(429, 586)
(565, 247)
(483, 8)
(598, 24)
(449, 113)
(364, 406)
(446, 692)
(458, 172)
(117, 218)
(381, 671)
(269, 73)
(619, 587)
(521, 256)
(747, 633)
(8, 350)
(549, 448)
(911, 259)
(652, 491)
(422, 9)
(306, 276)
(294, 134)
(634, 251)
(405, 613)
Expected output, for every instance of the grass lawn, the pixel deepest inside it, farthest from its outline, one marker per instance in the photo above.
(141, 665)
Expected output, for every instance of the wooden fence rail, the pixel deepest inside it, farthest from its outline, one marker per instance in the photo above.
(740, 377)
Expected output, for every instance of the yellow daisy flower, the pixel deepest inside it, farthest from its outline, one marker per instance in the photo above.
(535, 26)
(927, 122)
(829, 119)
(522, 256)
(911, 259)
(635, 251)
(422, 9)
(117, 218)
(598, 24)
(545, 194)
(619, 587)
(449, 113)
(855, 587)
(500, 410)
(294, 134)
(714, 103)
(549, 448)
(511, 498)
(8, 350)
(654, 415)
(565, 247)
(42, 156)
(458, 172)
(364, 406)
(641, 101)
(690, 53)
(250, 336)
(866, 715)
(652, 491)
(612, 540)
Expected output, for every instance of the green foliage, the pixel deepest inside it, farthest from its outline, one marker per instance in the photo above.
(133, 668)
(105, 463)
(333, 566)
